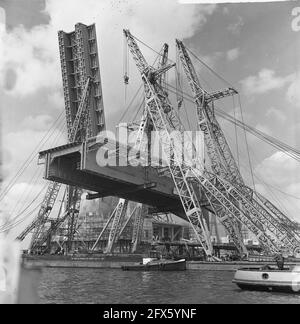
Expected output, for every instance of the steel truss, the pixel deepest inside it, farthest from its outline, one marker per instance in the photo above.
(165, 120)
(273, 228)
(79, 64)
(144, 129)
(40, 233)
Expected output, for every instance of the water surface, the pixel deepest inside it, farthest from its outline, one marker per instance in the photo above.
(106, 286)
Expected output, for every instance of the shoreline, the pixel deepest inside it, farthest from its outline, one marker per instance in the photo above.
(117, 261)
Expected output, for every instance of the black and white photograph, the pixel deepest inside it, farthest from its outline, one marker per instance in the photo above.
(149, 154)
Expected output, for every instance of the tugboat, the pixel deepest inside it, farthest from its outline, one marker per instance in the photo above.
(156, 263)
(269, 279)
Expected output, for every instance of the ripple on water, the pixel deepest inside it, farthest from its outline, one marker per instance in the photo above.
(107, 286)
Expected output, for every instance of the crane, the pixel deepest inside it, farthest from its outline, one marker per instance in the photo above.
(164, 118)
(144, 128)
(255, 207)
(40, 234)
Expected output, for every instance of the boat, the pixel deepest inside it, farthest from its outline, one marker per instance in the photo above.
(157, 265)
(269, 279)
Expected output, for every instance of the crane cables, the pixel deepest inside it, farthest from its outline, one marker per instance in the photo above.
(288, 150)
(31, 157)
(8, 225)
(285, 148)
(18, 219)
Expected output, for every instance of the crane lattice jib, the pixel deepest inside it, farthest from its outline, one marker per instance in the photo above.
(270, 223)
(45, 209)
(122, 206)
(223, 162)
(41, 236)
(138, 220)
(117, 221)
(260, 208)
(215, 191)
(79, 60)
(82, 113)
(231, 226)
(165, 120)
(143, 210)
(163, 62)
(285, 221)
(27, 230)
(53, 188)
(138, 226)
(53, 228)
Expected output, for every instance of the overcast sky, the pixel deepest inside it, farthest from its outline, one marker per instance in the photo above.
(252, 45)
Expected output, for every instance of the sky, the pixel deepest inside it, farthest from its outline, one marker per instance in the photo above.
(253, 46)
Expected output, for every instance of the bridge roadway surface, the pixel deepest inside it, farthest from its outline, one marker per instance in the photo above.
(76, 165)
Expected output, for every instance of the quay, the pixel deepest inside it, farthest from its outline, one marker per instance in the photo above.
(117, 261)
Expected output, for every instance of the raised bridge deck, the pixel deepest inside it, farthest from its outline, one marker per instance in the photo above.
(76, 165)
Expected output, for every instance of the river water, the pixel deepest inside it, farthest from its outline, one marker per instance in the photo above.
(105, 286)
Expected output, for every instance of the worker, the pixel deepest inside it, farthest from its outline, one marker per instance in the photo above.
(126, 79)
(280, 261)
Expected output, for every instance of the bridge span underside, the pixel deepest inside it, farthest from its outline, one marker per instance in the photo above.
(76, 165)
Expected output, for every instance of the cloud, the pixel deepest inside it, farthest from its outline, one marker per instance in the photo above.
(265, 81)
(277, 114)
(33, 55)
(20, 150)
(56, 98)
(235, 28)
(2, 19)
(263, 128)
(20, 193)
(233, 54)
(280, 169)
(293, 93)
(226, 11)
(283, 175)
(19, 145)
(37, 123)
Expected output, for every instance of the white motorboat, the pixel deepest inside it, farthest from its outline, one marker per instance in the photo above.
(269, 279)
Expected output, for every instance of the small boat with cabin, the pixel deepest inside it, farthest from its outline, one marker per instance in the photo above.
(156, 263)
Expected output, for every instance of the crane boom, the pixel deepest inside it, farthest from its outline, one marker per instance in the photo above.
(260, 211)
(217, 147)
(165, 119)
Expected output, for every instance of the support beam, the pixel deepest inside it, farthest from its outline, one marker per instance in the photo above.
(150, 185)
